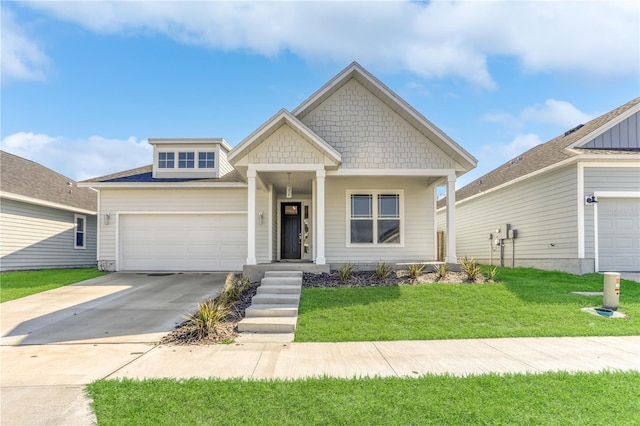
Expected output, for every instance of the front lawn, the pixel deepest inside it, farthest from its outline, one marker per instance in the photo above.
(550, 398)
(14, 285)
(525, 303)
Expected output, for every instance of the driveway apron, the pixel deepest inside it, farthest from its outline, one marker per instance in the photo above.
(55, 342)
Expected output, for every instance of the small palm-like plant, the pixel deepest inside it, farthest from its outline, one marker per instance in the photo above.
(345, 271)
(442, 270)
(471, 268)
(493, 273)
(414, 270)
(207, 315)
(382, 271)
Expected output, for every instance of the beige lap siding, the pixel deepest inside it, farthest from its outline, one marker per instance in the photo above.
(418, 221)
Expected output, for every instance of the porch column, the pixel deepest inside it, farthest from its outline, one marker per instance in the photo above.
(251, 217)
(451, 219)
(320, 175)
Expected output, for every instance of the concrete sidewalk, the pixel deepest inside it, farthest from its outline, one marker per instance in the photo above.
(43, 384)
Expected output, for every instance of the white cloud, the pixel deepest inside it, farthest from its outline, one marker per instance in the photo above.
(80, 159)
(433, 40)
(22, 58)
(561, 113)
(491, 156)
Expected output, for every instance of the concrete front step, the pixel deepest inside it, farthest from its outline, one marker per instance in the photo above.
(271, 274)
(281, 281)
(270, 298)
(279, 289)
(272, 310)
(268, 325)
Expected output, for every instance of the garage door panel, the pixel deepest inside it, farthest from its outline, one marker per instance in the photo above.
(182, 242)
(619, 234)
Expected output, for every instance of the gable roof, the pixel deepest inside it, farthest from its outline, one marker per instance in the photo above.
(144, 175)
(552, 152)
(29, 181)
(393, 101)
(274, 123)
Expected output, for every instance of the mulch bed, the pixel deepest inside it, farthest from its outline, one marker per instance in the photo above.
(227, 330)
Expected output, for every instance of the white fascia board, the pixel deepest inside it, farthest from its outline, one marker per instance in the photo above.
(188, 141)
(609, 124)
(392, 172)
(285, 117)
(617, 194)
(276, 167)
(355, 69)
(36, 201)
(160, 185)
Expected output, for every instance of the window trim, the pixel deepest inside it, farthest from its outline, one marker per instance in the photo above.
(76, 232)
(176, 160)
(375, 216)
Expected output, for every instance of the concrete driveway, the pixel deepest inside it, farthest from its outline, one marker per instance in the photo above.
(55, 342)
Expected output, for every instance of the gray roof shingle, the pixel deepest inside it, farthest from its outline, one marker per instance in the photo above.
(144, 175)
(27, 178)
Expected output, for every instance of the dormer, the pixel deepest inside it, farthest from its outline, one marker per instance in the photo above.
(190, 158)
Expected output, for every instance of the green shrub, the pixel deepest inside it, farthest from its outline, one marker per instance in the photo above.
(345, 271)
(471, 268)
(208, 314)
(414, 270)
(442, 270)
(233, 288)
(382, 271)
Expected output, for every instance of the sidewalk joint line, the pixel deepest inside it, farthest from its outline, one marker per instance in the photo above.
(375, 344)
(128, 363)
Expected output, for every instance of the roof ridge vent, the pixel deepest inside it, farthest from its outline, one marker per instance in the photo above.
(578, 127)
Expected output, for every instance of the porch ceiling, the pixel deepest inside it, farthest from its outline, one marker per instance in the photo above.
(301, 182)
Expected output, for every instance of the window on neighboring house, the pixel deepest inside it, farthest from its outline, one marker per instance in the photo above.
(374, 218)
(166, 160)
(206, 160)
(80, 232)
(186, 160)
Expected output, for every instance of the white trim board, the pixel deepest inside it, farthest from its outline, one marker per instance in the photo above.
(36, 201)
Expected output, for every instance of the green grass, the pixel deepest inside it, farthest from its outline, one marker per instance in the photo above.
(550, 398)
(14, 285)
(526, 303)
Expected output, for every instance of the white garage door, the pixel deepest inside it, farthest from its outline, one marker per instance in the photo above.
(619, 234)
(183, 242)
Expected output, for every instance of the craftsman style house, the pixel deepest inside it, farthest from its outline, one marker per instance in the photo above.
(350, 175)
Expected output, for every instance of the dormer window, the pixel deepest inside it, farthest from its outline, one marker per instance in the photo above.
(206, 160)
(186, 160)
(166, 160)
(189, 158)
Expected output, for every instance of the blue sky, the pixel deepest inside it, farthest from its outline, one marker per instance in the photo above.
(85, 84)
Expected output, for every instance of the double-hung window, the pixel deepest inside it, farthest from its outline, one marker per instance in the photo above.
(186, 160)
(80, 233)
(374, 217)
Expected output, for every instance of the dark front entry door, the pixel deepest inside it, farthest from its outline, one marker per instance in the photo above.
(291, 228)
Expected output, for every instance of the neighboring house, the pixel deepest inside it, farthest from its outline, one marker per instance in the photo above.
(347, 176)
(547, 194)
(46, 221)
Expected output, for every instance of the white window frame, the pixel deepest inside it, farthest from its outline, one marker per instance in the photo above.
(374, 194)
(179, 172)
(76, 232)
(186, 160)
